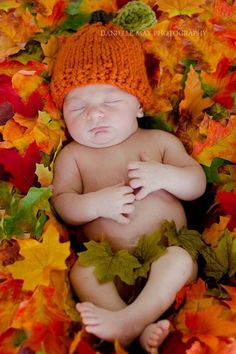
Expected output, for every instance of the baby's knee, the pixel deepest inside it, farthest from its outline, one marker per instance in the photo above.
(184, 261)
(80, 275)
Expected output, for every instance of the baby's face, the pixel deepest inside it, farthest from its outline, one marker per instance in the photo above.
(101, 115)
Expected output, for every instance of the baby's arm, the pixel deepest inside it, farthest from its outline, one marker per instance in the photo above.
(178, 174)
(76, 208)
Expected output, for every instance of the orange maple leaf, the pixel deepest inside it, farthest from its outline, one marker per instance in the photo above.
(212, 234)
(88, 6)
(232, 301)
(209, 324)
(183, 7)
(194, 102)
(45, 322)
(220, 142)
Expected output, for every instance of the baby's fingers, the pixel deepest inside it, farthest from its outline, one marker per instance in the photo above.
(142, 194)
(136, 183)
(122, 219)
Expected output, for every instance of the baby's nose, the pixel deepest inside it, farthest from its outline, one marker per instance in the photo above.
(95, 112)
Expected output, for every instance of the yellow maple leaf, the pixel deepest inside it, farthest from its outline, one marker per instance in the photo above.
(50, 50)
(180, 7)
(9, 4)
(40, 258)
(212, 234)
(160, 42)
(45, 175)
(194, 102)
(26, 82)
(204, 46)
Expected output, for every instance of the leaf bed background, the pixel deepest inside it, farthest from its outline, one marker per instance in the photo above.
(190, 54)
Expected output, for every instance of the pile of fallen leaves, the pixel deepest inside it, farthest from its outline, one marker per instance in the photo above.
(190, 52)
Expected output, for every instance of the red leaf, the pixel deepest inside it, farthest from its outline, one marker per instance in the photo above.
(10, 95)
(85, 347)
(228, 202)
(21, 168)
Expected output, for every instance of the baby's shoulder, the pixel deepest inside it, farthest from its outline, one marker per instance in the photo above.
(157, 135)
(69, 152)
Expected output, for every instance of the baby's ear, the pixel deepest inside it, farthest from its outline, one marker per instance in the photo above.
(140, 113)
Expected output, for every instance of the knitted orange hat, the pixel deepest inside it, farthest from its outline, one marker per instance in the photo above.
(101, 53)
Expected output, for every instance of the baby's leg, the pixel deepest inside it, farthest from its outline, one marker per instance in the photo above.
(87, 288)
(167, 276)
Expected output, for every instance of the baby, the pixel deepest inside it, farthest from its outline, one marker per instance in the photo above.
(118, 180)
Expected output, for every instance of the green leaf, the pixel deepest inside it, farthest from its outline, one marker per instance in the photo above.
(32, 51)
(73, 8)
(108, 264)
(190, 240)
(5, 195)
(217, 111)
(168, 230)
(24, 212)
(222, 259)
(72, 23)
(212, 171)
(40, 222)
(148, 251)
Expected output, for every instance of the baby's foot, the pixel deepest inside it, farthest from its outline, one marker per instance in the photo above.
(106, 324)
(153, 335)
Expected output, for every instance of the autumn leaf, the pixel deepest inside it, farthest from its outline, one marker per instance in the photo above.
(197, 348)
(27, 215)
(9, 94)
(21, 168)
(50, 50)
(45, 175)
(194, 102)
(46, 323)
(88, 6)
(188, 239)
(40, 258)
(220, 142)
(212, 234)
(147, 251)
(26, 82)
(108, 264)
(209, 324)
(80, 346)
(177, 7)
(221, 260)
(220, 84)
(10, 297)
(9, 4)
(228, 202)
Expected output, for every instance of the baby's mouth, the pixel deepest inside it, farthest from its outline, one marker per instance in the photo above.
(99, 129)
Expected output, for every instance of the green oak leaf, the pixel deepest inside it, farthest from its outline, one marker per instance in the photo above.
(109, 264)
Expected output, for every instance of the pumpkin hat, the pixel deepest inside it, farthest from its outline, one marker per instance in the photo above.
(101, 53)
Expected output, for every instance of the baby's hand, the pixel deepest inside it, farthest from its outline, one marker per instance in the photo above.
(116, 202)
(146, 174)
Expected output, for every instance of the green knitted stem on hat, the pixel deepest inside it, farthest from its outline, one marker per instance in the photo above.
(135, 16)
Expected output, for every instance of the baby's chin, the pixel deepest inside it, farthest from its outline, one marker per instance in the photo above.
(100, 142)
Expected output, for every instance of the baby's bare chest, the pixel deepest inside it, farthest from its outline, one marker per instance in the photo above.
(106, 168)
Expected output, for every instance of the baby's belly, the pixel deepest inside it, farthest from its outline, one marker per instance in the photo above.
(149, 213)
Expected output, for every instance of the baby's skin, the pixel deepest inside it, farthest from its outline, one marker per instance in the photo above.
(120, 182)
